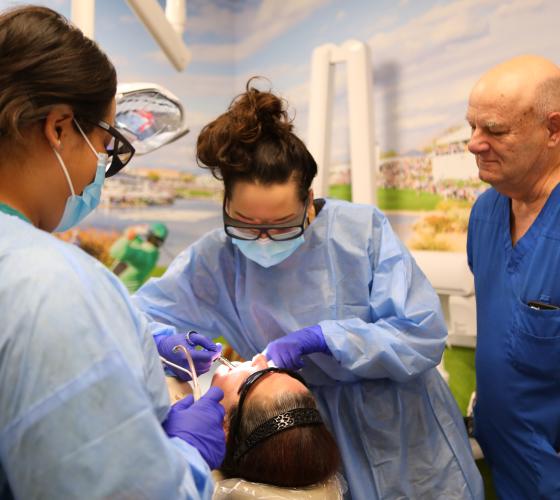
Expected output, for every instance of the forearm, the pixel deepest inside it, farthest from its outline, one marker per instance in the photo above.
(388, 348)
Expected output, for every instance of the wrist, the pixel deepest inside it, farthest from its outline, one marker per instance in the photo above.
(320, 339)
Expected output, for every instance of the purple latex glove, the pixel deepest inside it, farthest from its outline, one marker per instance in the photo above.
(202, 359)
(286, 352)
(200, 424)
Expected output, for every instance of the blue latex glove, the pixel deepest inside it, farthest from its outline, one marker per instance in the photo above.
(200, 424)
(286, 352)
(202, 359)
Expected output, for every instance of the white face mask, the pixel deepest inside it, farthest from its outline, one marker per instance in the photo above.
(266, 252)
(79, 206)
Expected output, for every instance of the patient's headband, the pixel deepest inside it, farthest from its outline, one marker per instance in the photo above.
(297, 417)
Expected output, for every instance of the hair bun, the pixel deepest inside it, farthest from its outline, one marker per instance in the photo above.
(227, 144)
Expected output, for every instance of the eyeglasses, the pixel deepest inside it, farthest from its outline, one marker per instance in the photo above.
(119, 149)
(277, 232)
(250, 382)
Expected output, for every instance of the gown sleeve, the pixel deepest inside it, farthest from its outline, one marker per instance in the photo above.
(407, 333)
(81, 392)
(190, 294)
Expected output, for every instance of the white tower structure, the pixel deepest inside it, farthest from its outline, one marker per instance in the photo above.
(363, 160)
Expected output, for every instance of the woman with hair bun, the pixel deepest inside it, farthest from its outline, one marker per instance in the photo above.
(329, 282)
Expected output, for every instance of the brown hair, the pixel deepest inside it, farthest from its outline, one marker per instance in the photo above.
(44, 61)
(297, 457)
(253, 141)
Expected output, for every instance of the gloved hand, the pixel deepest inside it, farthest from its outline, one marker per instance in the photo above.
(286, 352)
(200, 424)
(202, 359)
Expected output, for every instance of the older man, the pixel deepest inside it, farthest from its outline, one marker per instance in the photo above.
(514, 253)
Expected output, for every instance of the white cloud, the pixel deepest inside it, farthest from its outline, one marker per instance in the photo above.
(436, 57)
(423, 120)
(128, 19)
(341, 14)
(269, 21)
(156, 56)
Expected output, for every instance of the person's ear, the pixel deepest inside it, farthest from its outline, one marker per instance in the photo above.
(553, 126)
(226, 425)
(310, 206)
(58, 124)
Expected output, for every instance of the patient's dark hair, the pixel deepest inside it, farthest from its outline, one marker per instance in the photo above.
(253, 142)
(296, 457)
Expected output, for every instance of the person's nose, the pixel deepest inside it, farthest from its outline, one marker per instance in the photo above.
(259, 361)
(478, 143)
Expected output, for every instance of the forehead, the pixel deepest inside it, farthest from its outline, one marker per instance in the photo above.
(490, 106)
(256, 192)
(265, 202)
(274, 384)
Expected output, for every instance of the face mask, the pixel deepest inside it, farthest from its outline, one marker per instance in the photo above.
(78, 206)
(266, 252)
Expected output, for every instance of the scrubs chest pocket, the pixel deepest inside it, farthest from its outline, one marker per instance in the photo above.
(535, 341)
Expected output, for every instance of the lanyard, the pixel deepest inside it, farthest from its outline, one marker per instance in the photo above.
(12, 211)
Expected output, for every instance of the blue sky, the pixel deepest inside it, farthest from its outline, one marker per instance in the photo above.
(426, 55)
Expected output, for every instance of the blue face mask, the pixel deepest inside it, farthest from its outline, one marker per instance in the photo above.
(78, 206)
(266, 252)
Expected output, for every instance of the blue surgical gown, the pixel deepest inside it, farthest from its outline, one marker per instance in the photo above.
(399, 430)
(517, 412)
(82, 391)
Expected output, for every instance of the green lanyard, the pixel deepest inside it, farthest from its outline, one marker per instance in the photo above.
(12, 211)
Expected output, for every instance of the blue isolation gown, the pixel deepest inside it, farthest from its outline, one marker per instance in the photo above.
(82, 391)
(399, 430)
(517, 413)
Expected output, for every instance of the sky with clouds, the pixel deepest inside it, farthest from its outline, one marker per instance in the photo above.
(426, 56)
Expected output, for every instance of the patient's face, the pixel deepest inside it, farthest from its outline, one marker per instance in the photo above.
(270, 386)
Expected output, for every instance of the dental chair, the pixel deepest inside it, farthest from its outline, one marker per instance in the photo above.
(239, 489)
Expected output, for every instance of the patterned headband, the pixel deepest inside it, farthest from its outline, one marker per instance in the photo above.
(293, 418)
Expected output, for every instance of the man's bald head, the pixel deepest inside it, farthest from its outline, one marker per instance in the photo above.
(525, 83)
(514, 113)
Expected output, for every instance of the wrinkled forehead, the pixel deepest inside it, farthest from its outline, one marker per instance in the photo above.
(500, 99)
(495, 109)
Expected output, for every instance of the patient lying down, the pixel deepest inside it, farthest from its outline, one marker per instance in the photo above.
(274, 433)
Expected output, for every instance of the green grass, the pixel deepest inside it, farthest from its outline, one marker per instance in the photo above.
(406, 199)
(340, 192)
(459, 363)
(195, 193)
(392, 199)
(158, 271)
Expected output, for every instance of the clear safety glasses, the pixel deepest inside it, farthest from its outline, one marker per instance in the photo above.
(288, 230)
(119, 149)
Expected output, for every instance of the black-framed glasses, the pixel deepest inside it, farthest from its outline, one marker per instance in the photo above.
(119, 149)
(250, 382)
(288, 230)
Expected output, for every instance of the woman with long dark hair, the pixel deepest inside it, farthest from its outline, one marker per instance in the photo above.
(84, 411)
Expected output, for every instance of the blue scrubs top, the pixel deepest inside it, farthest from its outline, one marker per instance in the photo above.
(517, 413)
(398, 428)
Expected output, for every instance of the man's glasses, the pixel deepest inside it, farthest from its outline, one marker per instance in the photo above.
(119, 149)
(278, 232)
(250, 382)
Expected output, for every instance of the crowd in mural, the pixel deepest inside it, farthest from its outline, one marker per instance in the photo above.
(448, 149)
(415, 172)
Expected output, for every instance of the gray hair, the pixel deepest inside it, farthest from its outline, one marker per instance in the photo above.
(547, 97)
